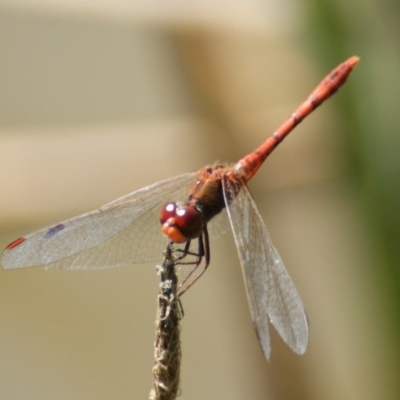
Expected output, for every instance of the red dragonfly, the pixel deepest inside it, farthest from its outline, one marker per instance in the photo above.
(127, 230)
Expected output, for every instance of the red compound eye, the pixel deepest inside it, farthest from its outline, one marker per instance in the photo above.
(168, 211)
(180, 222)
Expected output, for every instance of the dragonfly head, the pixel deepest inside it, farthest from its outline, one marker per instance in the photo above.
(180, 222)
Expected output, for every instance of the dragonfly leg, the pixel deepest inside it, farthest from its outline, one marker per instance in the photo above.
(204, 251)
(184, 252)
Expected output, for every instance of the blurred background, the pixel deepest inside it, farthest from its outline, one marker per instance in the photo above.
(98, 99)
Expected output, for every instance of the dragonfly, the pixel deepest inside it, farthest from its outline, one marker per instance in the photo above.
(189, 208)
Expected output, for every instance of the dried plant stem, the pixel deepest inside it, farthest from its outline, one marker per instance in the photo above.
(167, 347)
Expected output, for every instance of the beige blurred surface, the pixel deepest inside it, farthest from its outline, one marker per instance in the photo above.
(98, 101)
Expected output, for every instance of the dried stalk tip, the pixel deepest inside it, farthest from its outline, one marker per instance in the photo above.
(167, 346)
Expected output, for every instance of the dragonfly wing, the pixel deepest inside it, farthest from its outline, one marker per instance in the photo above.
(124, 231)
(218, 225)
(270, 291)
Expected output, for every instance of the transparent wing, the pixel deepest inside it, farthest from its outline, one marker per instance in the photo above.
(218, 225)
(122, 232)
(269, 289)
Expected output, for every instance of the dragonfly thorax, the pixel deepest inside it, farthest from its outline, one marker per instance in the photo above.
(181, 222)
